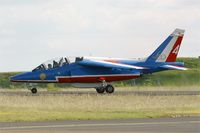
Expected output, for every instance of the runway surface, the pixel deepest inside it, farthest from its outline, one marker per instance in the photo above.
(144, 93)
(159, 125)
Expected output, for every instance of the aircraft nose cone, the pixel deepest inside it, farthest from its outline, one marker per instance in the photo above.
(15, 78)
(19, 77)
(12, 78)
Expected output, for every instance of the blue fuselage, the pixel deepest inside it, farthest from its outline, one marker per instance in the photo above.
(76, 73)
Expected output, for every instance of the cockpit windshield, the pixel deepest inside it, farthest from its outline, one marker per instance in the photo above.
(57, 62)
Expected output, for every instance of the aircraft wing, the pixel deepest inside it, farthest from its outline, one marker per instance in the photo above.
(173, 67)
(107, 64)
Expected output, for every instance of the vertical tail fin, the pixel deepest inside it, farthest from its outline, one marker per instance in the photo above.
(168, 50)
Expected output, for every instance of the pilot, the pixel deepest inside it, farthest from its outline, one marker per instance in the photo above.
(55, 64)
(49, 66)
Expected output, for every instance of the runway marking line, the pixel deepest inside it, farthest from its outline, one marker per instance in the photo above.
(108, 124)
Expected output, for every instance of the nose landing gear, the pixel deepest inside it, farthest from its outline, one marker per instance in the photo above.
(34, 90)
(32, 87)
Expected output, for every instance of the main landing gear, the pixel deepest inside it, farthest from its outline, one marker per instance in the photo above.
(108, 89)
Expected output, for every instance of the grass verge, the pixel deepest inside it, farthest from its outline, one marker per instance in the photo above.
(88, 107)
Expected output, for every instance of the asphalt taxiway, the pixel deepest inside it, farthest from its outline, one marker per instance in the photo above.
(159, 125)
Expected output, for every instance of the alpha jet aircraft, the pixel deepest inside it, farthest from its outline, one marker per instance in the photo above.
(98, 73)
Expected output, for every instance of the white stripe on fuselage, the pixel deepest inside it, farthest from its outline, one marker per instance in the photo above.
(119, 64)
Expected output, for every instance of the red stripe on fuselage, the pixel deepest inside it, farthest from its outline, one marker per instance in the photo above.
(95, 79)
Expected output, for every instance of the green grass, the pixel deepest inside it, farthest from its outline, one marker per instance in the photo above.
(177, 78)
(87, 107)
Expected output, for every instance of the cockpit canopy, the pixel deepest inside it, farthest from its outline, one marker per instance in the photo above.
(57, 62)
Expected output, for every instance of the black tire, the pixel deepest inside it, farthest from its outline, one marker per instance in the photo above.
(100, 90)
(110, 89)
(34, 90)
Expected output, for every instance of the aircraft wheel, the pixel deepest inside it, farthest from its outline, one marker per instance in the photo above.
(100, 90)
(110, 89)
(34, 90)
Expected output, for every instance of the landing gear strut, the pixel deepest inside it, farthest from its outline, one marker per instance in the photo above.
(34, 90)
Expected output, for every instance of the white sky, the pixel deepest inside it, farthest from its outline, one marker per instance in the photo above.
(33, 31)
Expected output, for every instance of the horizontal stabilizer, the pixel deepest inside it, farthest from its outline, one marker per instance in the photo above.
(106, 64)
(173, 67)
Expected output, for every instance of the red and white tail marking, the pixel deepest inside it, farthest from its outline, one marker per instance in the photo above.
(174, 52)
(170, 53)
